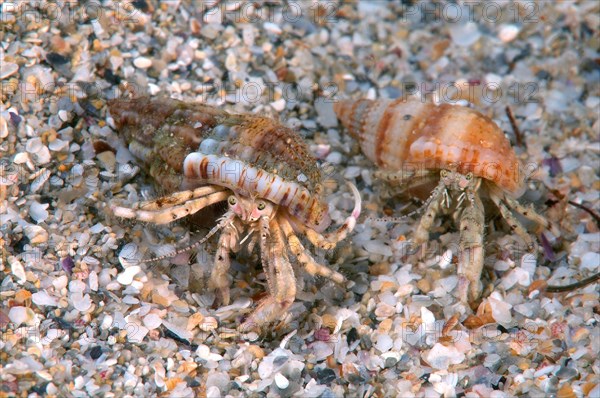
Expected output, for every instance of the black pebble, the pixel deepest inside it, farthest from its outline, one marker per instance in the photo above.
(96, 352)
(56, 59)
(325, 376)
(141, 5)
(352, 336)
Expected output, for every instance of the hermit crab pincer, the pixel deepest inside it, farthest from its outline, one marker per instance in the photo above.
(265, 172)
(413, 141)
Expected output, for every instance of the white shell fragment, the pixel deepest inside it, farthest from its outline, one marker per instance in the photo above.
(21, 316)
(142, 62)
(8, 69)
(38, 211)
(126, 277)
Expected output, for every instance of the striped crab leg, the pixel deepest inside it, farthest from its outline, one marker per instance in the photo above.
(159, 213)
(304, 257)
(280, 278)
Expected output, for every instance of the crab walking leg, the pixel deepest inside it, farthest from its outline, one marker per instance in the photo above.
(304, 257)
(283, 291)
(219, 278)
(471, 255)
(177, 198)
(329, 240)
(173, 213)
(527, 212)
(422, 233)
(265, 251)
(513, 223)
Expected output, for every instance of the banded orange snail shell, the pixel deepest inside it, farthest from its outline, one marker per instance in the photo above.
(393, 133)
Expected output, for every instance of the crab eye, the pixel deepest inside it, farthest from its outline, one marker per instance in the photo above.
(444, 173)
(469, 176)
(232, 201)
(261, 206)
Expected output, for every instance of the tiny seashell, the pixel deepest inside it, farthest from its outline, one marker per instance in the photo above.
(136, 332)
(63, 115)
(42, 298)
(281, 381)
(508, 33)
(17, 269)
(76, 286)
(21, 315)
(500, 311)
(93, 281)
(67, 264)
(96, 229)
(194, 320)
(384, 310)
(129, 254)
(39, 180)
(181, 332)
(36, 234)
(21, 157)
(34, 145)
(107, 160)
(440, 356)
(142, 62)
(43, 156)
(126, 277)
(278, 105)
(209, 323)
(8, 69)
(152, 321)
(58, 145)
(60, 282)
(466, 34)
(329, 321)
(80, 302)
(38, 211)
(272, 28)
(3, 127)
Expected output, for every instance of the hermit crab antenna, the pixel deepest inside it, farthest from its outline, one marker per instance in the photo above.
(412, 213)
(226, 219)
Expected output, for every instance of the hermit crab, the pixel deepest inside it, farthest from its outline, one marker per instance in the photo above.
(413, 141)
(263, 170)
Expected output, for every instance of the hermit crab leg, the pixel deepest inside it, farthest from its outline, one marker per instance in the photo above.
(470, 261)
(422, 233)
(304, 257)
(329, 240)
(282, 288)
(265, 254)
(177, 198)
(527, 212)
(173, 213)
(219, 280)
(513, 223)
